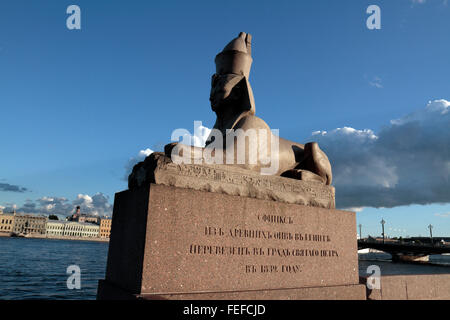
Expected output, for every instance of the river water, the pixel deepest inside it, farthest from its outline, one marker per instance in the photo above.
(36, 268)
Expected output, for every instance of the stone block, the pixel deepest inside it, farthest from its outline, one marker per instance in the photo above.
(170, 240)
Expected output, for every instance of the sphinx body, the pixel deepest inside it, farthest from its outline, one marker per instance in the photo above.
(232, 100)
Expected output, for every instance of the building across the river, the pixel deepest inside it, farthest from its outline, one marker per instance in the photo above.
(72, 229)
(82, 217)
(29, 224)
(6, 222)
(77, 226)
(55, 228)
(105, 227)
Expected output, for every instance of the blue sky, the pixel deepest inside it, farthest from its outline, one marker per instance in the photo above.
(76, 105)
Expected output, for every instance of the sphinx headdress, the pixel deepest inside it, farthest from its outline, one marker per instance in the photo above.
(236, 60)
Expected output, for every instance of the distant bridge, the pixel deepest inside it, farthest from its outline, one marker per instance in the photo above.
(405, 251)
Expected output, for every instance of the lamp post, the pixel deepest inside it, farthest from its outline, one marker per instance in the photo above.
(360, 234)
(431, 233)
(382, 228)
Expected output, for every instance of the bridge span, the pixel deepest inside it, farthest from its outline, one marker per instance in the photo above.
(405, 251)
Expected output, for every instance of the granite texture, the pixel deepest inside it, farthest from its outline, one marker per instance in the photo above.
(412, 287)
(127, 239)
(231, 180)
(350, 292)
(107, 291)
(168, 240)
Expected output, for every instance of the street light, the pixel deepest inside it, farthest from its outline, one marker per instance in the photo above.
(431, 233)
(360, 234)
(382, 226)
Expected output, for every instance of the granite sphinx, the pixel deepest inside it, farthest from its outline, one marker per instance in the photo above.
(232, 100)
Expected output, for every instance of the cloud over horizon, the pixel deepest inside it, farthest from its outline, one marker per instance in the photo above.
(12, 188)
(419, 2)
(97, 205)
(407, 162)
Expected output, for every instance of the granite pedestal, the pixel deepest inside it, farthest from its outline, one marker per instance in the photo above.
(177, 243)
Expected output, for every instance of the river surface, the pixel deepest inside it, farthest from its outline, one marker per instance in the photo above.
(36, 268)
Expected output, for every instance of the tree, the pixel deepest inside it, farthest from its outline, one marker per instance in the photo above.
(53, 217)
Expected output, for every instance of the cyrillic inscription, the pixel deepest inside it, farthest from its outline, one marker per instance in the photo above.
(268, 235)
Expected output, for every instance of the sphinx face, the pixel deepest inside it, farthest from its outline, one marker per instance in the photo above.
(222, 93)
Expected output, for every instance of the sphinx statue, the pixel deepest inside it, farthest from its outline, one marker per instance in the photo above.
(232, 100)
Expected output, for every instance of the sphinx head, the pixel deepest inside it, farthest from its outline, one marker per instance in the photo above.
(229, 86)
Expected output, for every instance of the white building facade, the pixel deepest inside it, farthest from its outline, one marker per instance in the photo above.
(72, 229)
(54, 228)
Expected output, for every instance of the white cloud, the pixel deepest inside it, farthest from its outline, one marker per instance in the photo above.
(98, 204)
(376, 82)
(356, 209)
(407, 162)
(430, 114)
(443, 2)
(198, 139)
(142, 154)
(356, 158)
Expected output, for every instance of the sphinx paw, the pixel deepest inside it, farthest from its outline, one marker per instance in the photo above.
(317, 162)
(304, 175)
